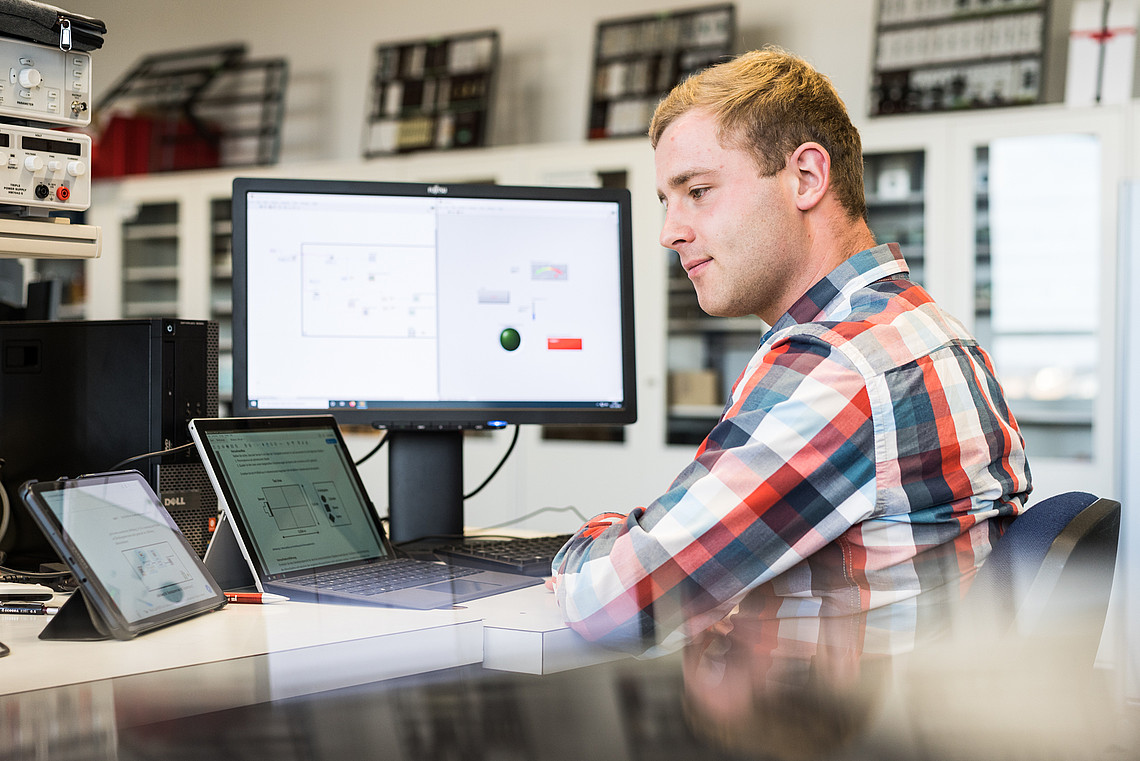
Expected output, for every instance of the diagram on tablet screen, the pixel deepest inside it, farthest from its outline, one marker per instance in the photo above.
(156, 564)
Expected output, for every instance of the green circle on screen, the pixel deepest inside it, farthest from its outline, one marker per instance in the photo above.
(510, 339)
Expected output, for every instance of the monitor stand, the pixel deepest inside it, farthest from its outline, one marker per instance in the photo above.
(425, 487)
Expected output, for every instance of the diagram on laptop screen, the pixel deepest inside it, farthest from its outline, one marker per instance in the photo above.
(290, 507)
(331, 503)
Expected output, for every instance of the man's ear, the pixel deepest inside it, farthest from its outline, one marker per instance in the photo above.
(811, 166)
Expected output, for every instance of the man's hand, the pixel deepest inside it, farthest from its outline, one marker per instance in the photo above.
(599, 523)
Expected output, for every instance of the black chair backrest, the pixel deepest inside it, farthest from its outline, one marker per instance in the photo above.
(1050, 574)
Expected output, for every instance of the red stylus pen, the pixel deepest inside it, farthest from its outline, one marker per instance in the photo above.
(254, 598)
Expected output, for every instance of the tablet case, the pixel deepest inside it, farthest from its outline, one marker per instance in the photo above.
(78, 619)
(74, 621)
(48, 25)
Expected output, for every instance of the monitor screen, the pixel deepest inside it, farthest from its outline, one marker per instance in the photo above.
(406, 304)
(430, 309)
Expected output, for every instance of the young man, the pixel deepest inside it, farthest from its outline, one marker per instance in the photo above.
(866, 460)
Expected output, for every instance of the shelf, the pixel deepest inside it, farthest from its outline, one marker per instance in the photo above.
(700, 411)
(937, 57)
(145, 231)
(718, 325)
(916, 198)
(1050, 417)
(150, 309)
(186, 109)
(144, 274)
(681, 285)
(638, 60)
(431, 94)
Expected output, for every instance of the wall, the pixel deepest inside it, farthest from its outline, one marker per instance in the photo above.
(547, 51)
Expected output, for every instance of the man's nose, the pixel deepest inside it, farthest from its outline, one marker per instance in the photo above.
(675, 231)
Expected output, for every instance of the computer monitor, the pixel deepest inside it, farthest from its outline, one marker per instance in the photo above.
(428, 309)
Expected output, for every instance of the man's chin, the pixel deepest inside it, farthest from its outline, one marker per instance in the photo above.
(722, 310)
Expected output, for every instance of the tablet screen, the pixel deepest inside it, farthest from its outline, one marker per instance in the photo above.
(129, 545)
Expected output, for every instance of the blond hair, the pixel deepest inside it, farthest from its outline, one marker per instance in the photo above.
(768, 103)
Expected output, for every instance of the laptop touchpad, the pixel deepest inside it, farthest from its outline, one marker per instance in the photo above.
(459, 587)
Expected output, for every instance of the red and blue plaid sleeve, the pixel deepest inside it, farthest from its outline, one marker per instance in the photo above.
(787, 471)
(865, 448)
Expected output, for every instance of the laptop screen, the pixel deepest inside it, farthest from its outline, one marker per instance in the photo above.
(296, 499)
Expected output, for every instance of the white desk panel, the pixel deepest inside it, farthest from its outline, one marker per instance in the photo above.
(523, 631)
(312, 647)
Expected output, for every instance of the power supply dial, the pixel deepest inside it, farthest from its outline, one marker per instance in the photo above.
(44, 168)
(44, 84)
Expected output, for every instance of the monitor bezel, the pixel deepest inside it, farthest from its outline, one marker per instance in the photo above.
(442, 415)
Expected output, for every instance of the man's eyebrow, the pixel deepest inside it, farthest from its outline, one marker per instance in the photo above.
(683, 178)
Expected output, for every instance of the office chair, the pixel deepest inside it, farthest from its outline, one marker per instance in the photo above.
(1016, 676)
(1050, 575)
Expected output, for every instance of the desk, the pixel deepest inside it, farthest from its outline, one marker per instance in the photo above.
(305, 681)
(246, 654)
(523, 632)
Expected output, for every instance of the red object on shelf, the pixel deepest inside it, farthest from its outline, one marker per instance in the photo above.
(144, 144)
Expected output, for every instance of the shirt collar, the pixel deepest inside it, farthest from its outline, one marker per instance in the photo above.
(828, 299)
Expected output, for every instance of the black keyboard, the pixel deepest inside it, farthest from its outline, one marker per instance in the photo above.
(530, 556)
(390, 575)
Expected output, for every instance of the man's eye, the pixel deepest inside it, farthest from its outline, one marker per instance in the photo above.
(698, 193)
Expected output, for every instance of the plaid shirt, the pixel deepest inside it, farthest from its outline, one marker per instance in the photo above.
(855, 472)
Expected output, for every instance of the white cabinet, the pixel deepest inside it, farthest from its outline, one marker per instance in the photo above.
(150, 261)
(1039, 227)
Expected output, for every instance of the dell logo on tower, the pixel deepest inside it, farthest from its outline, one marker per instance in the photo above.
(437, 190)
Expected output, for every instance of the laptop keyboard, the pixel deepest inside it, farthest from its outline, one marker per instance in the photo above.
(388, 576)
(530, 556)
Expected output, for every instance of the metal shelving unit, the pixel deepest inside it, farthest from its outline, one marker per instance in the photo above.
(150, 261)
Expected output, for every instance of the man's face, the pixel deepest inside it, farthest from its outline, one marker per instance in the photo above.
(737, 233)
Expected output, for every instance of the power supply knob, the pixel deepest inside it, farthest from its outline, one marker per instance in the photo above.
(29, 78)
(33, 163)
(54, 165)
(76, 168)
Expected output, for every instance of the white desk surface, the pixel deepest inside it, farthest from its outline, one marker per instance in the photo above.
(523, 631)
(309, 644)
(247, 654)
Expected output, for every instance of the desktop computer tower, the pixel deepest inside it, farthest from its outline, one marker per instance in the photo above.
(83, 396)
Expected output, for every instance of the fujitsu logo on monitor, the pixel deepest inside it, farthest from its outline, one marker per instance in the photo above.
(437, 190)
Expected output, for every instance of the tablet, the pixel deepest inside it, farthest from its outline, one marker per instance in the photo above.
(134, 568)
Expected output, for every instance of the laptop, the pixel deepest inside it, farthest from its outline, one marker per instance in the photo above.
(297, 516)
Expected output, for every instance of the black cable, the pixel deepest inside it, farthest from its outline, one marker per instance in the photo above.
(148, 455)
(450, 538)
(502, 462)
(521, 518)
(375, 449)
(12, 574)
